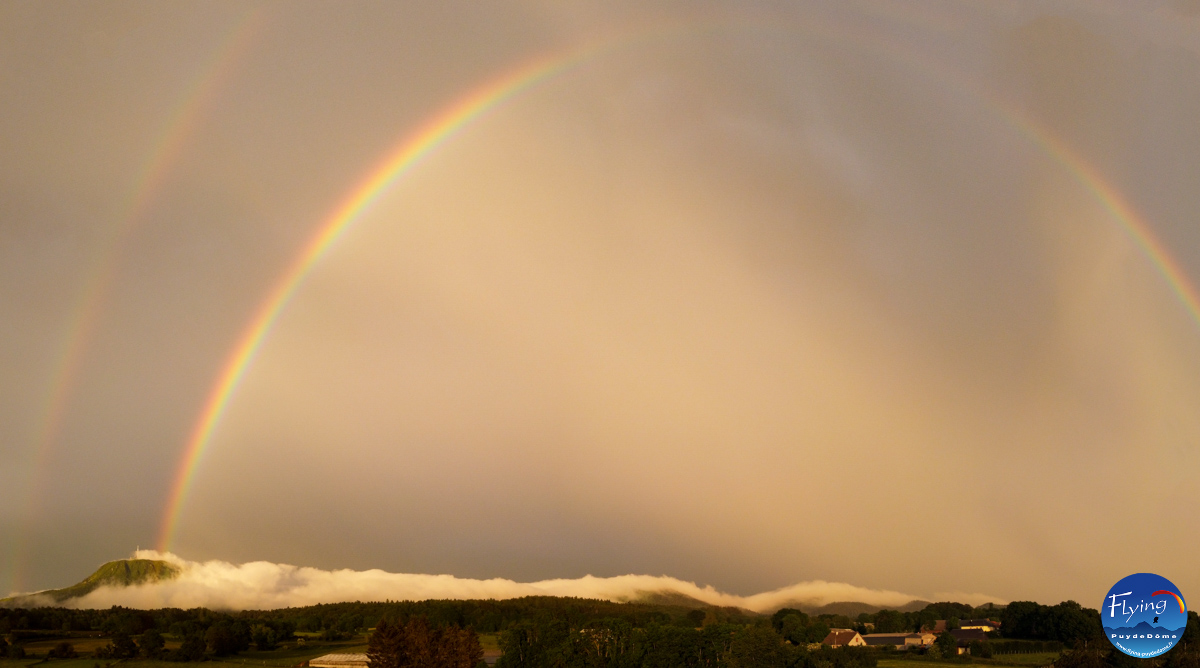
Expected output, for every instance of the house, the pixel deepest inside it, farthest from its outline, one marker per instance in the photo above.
(880, 639)
(985, 625)
(922, 639)
(965, 637)
(900, 640)
(843, 638)
(897, 640)
(340, 661)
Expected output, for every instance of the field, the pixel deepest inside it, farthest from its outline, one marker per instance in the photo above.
(294, 654)
(288, 655)
(1033, 660)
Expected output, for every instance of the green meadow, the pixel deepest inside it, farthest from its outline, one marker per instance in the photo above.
(286, 656)
(1031, 660)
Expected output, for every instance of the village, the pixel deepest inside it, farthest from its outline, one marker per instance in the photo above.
(969, 631)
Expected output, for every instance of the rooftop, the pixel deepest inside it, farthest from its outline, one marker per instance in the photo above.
(340, 660)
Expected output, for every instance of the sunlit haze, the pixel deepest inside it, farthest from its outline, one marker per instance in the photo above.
(862, 301)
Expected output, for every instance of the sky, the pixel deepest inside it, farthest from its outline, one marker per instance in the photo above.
(899, 295)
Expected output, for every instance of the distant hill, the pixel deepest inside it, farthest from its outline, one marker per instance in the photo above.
(669, 597)
(847, 608)
(854, 608)
(121, 573)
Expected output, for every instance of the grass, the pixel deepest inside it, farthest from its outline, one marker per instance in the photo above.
(490, 641)
(286, 656)
(1031, 660)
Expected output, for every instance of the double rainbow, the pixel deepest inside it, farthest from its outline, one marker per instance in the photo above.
(454, 117)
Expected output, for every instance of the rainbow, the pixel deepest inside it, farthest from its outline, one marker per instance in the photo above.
(407, 154)
(1109, 197)
(167, 149)
(1182, 607)
(454, 117)
(168, 146)
(1118, 208)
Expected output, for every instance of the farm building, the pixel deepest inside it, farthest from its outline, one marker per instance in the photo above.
(339, 661)
(900, 640)
(843, 638)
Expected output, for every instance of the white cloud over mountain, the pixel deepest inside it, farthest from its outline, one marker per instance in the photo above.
(265, 585)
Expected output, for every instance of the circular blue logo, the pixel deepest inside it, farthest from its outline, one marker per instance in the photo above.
(1143, 615)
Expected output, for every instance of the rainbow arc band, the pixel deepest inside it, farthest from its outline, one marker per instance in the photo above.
(408, 154)
(456, 116)
(1182, 607)
(169, 146)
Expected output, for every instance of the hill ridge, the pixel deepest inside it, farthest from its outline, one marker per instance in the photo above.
(119, 573)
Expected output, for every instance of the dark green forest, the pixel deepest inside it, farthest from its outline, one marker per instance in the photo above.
(545, 632)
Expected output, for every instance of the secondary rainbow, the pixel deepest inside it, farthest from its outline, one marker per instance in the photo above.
(167, 149)
(453, 118)
(404, 157)
(1111, 199)
(169, 144)
(1119, 209)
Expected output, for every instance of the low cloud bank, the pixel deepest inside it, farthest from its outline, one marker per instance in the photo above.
(266, 585)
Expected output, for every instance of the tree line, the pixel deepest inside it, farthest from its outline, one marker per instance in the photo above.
(615, 643)
(545, 631)
(417, 644)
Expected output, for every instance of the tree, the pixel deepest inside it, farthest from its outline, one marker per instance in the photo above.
(526, 644)
(757, 647)
(263, 637)
(386, 648)
(63, 650)
(151, 644)
(192, 648)
(460, 648)
(1023, 619)
(1082, 656)
(981, 649)
(350, 623)
(891, 621)
(222, 640)
(696, 617)
(947, 643)
(418, 645)
(817, 631)
(120, 647)
(332, 634)
(794, 628)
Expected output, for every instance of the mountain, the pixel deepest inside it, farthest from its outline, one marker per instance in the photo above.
(1142, 629)
(854, 608)
(847, 608)
(668, 597)
(121, 573)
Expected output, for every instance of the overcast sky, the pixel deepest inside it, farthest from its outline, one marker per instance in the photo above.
(756, 293)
